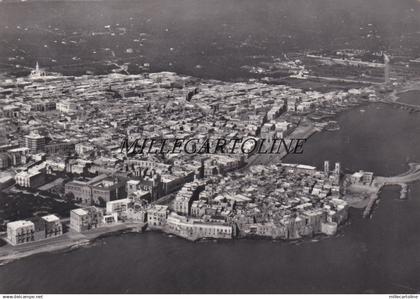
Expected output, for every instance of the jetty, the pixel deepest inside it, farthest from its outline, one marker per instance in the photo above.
(402, 106)
(411, 175)
(369, 207)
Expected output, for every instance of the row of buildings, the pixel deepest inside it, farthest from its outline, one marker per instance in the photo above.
(34, 229)
(157, 217)
(292, 201)
(71, 128)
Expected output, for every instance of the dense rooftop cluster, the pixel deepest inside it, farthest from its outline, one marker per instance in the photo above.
(63, 135)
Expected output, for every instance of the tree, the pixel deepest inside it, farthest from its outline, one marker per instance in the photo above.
(69, 197)
(101, 202)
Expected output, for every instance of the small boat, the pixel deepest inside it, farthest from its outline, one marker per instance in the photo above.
(332, 126)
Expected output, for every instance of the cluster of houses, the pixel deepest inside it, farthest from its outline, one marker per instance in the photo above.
(292, 201)
(65, 133)
(34, 229)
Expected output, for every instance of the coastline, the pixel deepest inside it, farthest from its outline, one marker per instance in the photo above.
(68, 241)
(395, 94)
(367, 201)
(94, 236)
(368, 197)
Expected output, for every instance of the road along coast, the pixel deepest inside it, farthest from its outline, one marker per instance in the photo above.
(69, 240)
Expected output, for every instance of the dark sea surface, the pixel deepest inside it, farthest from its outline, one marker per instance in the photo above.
(377, 255)
(205, 38)
(410, 97)
(374, 137)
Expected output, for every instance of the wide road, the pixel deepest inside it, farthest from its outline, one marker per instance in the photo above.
(413, 174)
(302, 131)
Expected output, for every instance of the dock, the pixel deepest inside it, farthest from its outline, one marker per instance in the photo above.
(371, 204)
(402, 180)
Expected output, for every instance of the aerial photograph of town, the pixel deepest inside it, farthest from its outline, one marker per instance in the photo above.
(210, 147)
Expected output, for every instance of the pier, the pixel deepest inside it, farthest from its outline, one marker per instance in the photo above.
(411, 175)
(369, 207)
(402, 106)
(402, 180)
(404, 191)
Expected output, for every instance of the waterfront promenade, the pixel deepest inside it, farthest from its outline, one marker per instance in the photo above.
(71, 239)
(411, 175)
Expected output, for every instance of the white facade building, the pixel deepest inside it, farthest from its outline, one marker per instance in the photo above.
(19, 232)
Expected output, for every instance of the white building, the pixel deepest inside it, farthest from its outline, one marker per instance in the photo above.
(194, 229)
(40, 228)
(118, 206)
(30, 179)
(329, 228)
(35, 142)
(110, 219)
(19, 232)
(132, 186)
(79, 219)
(66, 107)
(83, 148)
(156, 216)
